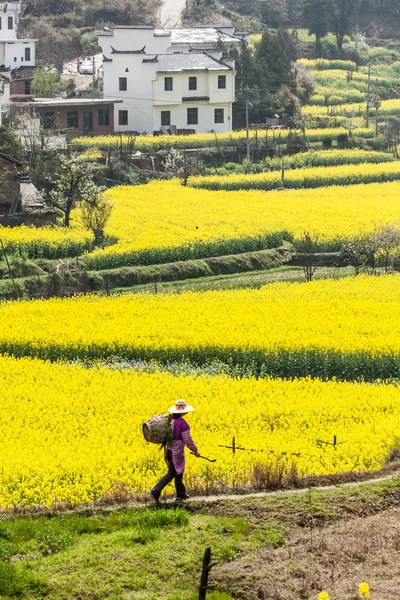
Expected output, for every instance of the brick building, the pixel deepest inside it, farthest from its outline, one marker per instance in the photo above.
(81, 116)
(21, 82)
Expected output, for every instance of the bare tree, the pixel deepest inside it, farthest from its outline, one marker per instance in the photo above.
(308, 247)
(361, 252)
(387, 238)
(95, 213)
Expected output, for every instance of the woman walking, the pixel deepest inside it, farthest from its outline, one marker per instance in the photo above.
(174, 452)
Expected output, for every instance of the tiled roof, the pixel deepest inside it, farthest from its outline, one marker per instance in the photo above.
(206, 35)
(188, 62)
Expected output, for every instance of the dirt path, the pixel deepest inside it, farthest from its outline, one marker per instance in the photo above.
(210, 499)
(238, 497)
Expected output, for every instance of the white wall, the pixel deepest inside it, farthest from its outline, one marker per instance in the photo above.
(205, 116)
(12, 11)
(134, 39)
(14, 53)
(137, 99)
(145, 90)
(12, 50)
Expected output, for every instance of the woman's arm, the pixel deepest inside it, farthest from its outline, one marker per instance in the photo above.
(188, 441)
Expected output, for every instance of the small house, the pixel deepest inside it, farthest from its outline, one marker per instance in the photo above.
(20, 201)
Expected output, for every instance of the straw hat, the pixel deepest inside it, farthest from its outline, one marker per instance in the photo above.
(180, 407)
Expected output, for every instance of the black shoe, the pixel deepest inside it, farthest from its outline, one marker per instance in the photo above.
(155, 498)
(182, 498)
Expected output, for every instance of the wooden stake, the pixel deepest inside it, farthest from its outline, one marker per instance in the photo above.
(9, 268)
(207, 566)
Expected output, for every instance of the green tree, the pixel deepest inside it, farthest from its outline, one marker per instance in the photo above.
(246, 79)
(317, 15)
(47, 84)
(9, 143)
(272, 12)
(344, 19)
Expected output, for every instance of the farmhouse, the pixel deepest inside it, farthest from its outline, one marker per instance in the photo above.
(171, 78)
(14, 52)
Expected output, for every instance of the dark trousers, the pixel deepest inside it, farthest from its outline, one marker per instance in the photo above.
(172, 474)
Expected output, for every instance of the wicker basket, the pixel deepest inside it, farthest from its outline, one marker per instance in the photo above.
(155, 430)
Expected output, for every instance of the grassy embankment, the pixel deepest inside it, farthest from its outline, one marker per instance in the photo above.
(285, 546)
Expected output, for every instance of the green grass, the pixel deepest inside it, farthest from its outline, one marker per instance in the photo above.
(143, 554)
(156, 554)
(253, 280)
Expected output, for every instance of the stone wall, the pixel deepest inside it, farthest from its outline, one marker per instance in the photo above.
(35, 219)
(9, 185)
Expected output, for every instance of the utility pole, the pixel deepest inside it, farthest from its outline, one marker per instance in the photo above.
(94, 70)
(247, 129)
(368, 94)
(185, 173)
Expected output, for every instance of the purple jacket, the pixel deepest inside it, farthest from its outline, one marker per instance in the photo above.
(181, 436)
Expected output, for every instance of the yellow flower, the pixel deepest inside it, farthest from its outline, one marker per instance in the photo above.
(323, 596)
(364, 591)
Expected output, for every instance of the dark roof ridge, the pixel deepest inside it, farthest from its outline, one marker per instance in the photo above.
(220, 62)
(11, 159)
(141, 51)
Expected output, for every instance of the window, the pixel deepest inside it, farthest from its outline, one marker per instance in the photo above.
(27, 54)
(104, 116)
(165, 118)
(27, 87)
(72, 119)
(219, 115)
(0, 22)
(10, 23)
(168, 84)
(87, 122)
(123, 84)
(192, 116)
(221, 82)
(49, 120)
(192, 83)
(122, 117)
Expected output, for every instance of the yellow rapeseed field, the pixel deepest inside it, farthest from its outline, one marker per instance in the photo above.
(300, 178)
(164, 221)
(165, 215)
(50, 242)
(348, 316)
(70, 435)
(148, 143)
(388, 107)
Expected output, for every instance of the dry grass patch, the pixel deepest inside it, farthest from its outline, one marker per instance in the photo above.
(336, 558)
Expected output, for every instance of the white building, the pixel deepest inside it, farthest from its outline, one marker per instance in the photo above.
(169, 77)
(14, 52)
(4, 93)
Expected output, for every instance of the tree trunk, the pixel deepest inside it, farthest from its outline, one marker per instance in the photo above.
(318, 45)
(98, 237)
(67, 217)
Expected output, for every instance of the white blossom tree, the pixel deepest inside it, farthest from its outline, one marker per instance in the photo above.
(73, 184)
